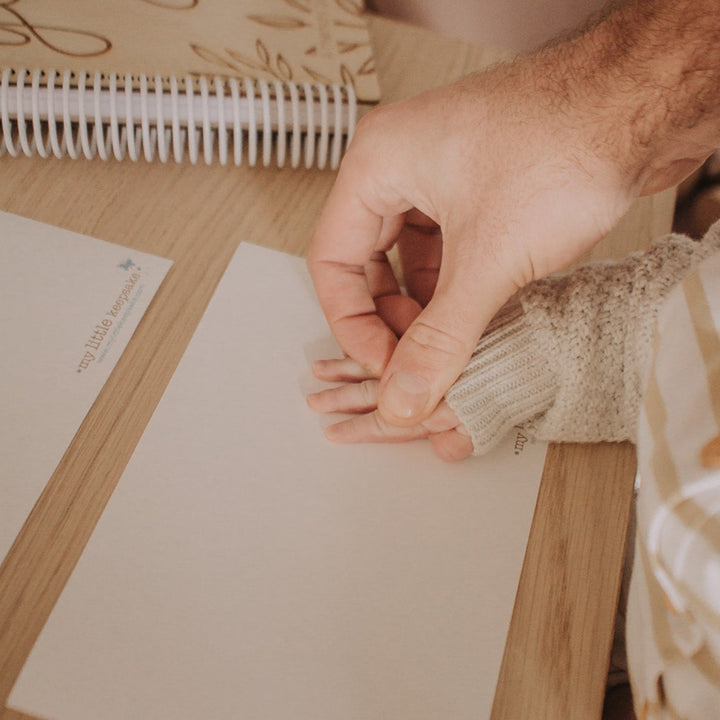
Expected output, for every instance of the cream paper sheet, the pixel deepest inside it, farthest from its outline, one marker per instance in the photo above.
(68, 307)
(247, 568)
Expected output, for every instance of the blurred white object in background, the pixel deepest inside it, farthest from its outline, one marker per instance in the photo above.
(517, 25)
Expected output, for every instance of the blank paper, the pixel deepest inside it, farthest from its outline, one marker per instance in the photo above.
(247, 568)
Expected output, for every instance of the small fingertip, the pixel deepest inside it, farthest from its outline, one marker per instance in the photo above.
(452, 446)
(319, 402)
(318, 367)
(333, 434)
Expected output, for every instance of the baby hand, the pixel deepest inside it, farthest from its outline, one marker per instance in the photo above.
(357, 395)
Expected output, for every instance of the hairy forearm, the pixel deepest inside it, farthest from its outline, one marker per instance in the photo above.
(644, 81)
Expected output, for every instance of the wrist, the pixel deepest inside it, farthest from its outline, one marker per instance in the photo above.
(635, 96)
(506, 382)
(650, 73)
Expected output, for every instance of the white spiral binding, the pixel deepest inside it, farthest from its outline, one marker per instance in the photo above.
(79, 115)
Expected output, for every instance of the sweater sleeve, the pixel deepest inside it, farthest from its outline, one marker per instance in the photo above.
(565, 358)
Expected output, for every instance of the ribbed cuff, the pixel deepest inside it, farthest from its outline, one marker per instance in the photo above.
(505, 383)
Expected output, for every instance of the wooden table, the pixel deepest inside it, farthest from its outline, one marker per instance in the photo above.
(558, 647)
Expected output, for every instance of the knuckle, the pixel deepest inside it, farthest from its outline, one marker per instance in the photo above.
(380, 426)
(373, 121)
(436, 342)
(368, 393)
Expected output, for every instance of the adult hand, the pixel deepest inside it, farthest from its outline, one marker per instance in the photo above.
(484, 185)
(356, 395)
(522, 168)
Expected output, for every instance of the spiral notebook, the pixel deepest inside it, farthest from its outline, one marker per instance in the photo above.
(230, 81)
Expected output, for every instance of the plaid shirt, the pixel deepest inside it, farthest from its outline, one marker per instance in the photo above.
(673, 624)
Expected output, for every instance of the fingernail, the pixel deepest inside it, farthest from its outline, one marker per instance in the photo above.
(405, 395)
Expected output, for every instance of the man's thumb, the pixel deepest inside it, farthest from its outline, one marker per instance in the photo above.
(429, 357)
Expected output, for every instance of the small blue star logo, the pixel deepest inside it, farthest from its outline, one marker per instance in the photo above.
(127, 264)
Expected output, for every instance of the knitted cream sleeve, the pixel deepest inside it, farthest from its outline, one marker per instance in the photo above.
(565, 358)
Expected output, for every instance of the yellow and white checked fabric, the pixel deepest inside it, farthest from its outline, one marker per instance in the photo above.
(673, 625)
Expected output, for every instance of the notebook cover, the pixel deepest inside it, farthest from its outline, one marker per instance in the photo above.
(316, 41)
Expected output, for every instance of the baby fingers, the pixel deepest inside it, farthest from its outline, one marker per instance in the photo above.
(371, 427)
(449, 439)
(359, 397)
(340, 370)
